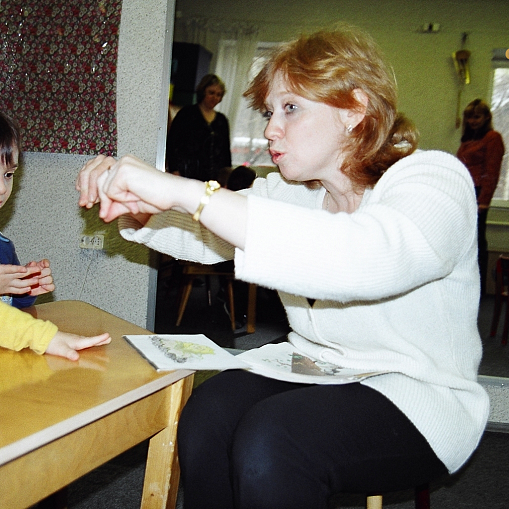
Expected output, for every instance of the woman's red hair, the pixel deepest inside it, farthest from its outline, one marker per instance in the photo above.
(327, 67)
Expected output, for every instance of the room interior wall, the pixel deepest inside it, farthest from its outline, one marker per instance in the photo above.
(43, 218)
(423, 65)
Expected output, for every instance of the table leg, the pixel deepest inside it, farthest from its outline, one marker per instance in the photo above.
(162, 471)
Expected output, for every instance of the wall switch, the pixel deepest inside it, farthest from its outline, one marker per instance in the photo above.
(92, 241)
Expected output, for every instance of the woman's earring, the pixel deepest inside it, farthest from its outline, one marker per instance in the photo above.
(349, 129)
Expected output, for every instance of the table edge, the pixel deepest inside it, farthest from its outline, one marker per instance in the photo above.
(40, 438)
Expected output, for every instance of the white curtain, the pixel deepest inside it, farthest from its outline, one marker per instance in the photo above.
(233, 45)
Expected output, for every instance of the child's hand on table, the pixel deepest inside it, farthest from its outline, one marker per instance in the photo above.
(67, 345)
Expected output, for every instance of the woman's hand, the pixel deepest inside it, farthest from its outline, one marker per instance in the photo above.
(132, 186)
(86, 182)
(128, 185)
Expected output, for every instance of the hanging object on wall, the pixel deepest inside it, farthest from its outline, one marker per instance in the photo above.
(429, 28)
(461, 64)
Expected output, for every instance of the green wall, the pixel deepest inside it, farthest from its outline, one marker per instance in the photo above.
(428, 86)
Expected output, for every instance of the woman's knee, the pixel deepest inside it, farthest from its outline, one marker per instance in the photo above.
(268, 465)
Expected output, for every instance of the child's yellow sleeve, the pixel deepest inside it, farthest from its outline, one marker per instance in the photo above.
(20, 330)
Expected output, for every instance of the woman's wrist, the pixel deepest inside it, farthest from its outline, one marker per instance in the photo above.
(211, 187)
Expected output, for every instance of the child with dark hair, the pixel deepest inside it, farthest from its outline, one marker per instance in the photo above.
(241, 177)
(19, 284)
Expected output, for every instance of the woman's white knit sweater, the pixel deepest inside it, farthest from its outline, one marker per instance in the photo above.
(396, 285)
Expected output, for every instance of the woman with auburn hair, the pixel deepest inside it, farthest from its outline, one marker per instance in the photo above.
(481, 151)
(372, 249)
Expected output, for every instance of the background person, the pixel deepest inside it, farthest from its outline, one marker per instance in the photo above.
(481, 151)
(372, 250)
(198, 142)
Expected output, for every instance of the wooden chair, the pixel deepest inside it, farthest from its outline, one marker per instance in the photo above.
(501, 297)
(191, 270)
(422, 499)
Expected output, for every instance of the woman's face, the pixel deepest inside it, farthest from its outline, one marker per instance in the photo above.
(305, 137)
(476, 120)
(213, 96)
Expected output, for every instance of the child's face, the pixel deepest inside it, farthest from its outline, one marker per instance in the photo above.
(7, 177)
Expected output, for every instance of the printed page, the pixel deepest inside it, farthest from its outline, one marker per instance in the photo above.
(283, 362)
(167, 352)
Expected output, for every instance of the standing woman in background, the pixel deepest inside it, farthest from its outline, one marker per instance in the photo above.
(198, 143)
(481, 151)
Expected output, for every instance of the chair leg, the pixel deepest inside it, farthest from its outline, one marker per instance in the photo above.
(422, 499)
(209, 290)
(183, 300)
(496, 315)
(251, 308)
(374, 502)
(505, 333)
(231, 300)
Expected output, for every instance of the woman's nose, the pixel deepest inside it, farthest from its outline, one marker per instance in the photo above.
(273, 129)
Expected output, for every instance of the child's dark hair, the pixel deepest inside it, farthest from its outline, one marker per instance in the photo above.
(241, 178)
(9, 138)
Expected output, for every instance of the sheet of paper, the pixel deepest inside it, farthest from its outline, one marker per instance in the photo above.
(167, 352)
(283, 362)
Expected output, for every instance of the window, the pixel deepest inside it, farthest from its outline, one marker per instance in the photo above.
(249, 146)
(500, 111)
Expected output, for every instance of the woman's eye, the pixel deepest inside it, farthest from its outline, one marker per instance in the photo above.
(267, 114)
(290, 108)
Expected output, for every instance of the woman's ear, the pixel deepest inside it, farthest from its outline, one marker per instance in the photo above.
(354, 117)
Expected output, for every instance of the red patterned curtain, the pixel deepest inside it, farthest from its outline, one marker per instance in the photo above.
(58, 73)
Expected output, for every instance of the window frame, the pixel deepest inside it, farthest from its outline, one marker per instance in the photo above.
(500, 61)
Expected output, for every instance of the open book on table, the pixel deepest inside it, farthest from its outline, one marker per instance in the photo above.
(281, 361)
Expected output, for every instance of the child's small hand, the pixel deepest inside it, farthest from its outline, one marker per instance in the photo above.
(45, 278)
(17, 280)
(67, 345)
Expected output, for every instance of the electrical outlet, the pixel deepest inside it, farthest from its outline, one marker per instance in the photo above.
(92, 241)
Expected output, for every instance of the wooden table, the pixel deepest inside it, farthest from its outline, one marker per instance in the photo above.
(61, 419)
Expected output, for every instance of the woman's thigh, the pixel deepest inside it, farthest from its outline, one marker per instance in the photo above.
(206, 431)
(274, 444)
(303, 446)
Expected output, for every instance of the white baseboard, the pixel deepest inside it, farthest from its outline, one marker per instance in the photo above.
(498, 391)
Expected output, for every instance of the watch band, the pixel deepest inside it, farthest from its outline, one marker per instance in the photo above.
(210, 188)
